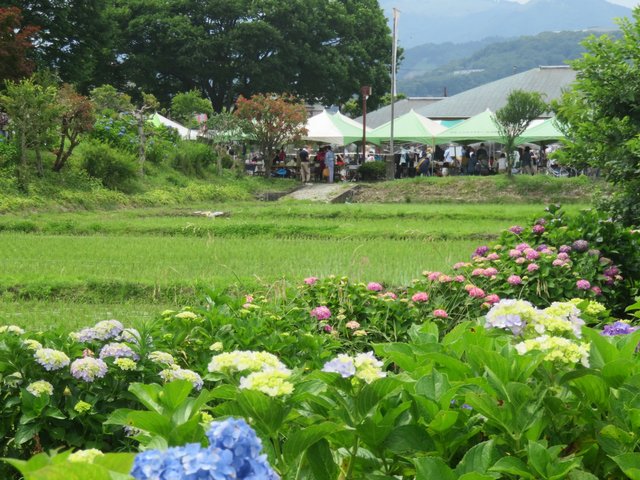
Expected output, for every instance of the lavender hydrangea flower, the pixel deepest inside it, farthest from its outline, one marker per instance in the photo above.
(321, 313)
(88, 369)
(118, 350)
(516, 229)
(342, 364)
(580, 245)
(618, 328)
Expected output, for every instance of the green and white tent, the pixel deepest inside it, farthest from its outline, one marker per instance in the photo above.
(335, 129)
(479, 128)
(410, 127)
(545, 132)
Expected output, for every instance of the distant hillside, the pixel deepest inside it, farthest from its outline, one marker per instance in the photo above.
(492, 62)
(462, 21)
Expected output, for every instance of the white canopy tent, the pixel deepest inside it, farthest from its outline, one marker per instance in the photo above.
(333, 129)
(184, 132)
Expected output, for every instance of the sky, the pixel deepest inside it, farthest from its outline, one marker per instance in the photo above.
(624, 3)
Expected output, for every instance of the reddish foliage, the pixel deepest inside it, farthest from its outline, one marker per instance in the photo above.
(15, 42)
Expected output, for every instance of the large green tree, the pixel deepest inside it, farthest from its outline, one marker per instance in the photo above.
(320, 50)
(602, 114)
(75, 38)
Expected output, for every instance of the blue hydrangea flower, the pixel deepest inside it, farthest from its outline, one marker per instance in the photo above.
(618, 328)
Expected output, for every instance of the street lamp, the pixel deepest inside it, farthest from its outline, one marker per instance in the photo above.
(365, 91)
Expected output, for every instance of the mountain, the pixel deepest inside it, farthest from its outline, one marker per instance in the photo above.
(487, 62)
(461, 21)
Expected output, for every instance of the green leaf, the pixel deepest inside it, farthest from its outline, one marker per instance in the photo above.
(321, 461)
(371, 395)
(147, 395)
(433, 386)
(601, 352)
(151, 422)
(475, 476)
(479, 458)
(629, 463)
(431, 468)
(539, 458)
(443, 421)
(409, 438)
(512, 466)
(24, 433)
(581, 475)
(594, 389)
(175, 393)
(268, 413)
(615, 441)
(301, 440)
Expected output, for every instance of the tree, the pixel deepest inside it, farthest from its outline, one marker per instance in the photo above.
(602, 116)
(272, 120)
(184, 107)
(16, 41)
(224, 128)
(319, 50)
(109, 101)
(141, 114)
(77, 117)
(75, 39)
(34, 114)
(513, 119)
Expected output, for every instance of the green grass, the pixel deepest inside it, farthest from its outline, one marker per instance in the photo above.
(74, 268)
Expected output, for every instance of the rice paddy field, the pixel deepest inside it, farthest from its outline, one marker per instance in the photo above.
(72, 269)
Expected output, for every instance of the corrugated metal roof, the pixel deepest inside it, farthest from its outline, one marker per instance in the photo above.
(402, 107)
(551, 81)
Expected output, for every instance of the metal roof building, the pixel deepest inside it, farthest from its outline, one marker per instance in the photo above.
(383, 115)
(551, 81)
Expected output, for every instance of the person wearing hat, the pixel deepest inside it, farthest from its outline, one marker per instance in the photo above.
(305, 170)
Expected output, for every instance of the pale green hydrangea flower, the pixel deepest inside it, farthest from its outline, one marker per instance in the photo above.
(85, 456)
(40, 387)
(271, 381)
(82, 407)
(557, 349)
(125, 363)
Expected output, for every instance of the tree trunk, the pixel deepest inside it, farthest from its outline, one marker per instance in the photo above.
(142, 140)
(39, 166)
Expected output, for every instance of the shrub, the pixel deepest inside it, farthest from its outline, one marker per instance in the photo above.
(8, 152)
(193, 158)
(373, 171)
(116, 169)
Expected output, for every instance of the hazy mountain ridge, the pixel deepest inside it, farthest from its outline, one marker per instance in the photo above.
(461, 21)
(491, 62)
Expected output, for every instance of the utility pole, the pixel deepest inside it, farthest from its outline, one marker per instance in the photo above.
(394, 54)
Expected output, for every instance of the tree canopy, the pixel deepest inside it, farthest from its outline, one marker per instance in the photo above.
(15, 45)
(602, 114)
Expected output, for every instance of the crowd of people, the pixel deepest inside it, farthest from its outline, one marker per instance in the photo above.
(328, 165)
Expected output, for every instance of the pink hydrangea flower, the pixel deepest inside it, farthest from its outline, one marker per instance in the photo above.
(459, 278)
(374, 287)
(532, 267)
(321, 313)
(420, 297)
(564, 249)
(514, 280)
(514, 253)
(558, 262)
(522, 246)
(460, 265)
(596, 290)
(490, 272)
(444, 278)
(520, 260)
(476, 292)
(389, 295)
(439, 313)
(492, 298)
(248, 298)
(563, 256)
(477, 272)
(538, 229)
(328, 328)
(516, 229)
(433, 276)
(583, 284)
(493, 256)
(531, 254)
(310, 280)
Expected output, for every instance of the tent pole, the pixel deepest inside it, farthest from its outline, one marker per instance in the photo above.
(393, 78)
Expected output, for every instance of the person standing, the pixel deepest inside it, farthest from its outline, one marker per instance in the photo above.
(527, 166)
(305, 170)
(329, 162)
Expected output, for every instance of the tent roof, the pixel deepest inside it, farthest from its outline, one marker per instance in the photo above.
(183, 131)
(410, 127)
(335, 129)
(548, 80)
(382, 115)
(545, 132)
(480, 127)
